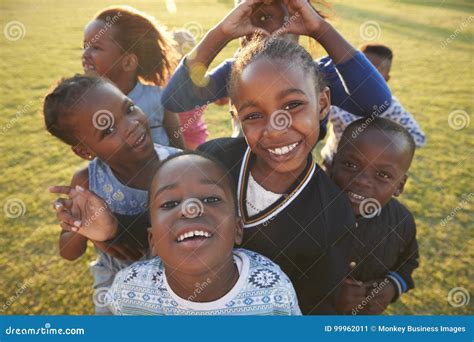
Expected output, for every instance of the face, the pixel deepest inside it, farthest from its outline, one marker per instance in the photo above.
(382, 65)
(193, 218)
(279, 110)
(270, 18)
(101, 53)
(108, 125)
(373, 165)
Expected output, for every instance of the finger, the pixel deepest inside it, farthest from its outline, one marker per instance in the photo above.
(62, 204)
(352, 281)
(67, 217)
(357, 293)
(68, 228)
(59, 189)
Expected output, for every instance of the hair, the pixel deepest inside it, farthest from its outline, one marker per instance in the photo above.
(278, 49)
(140, 34)
(228, 177)
(60, 104)
(379, 50)
(390, 127)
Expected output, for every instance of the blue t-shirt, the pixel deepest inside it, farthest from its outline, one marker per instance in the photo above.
(262, 289)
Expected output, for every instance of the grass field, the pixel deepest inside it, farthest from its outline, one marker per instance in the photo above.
(432, 76)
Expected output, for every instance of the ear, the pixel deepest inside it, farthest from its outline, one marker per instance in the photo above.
(150, 240)
(239, 230)
(83, 152)
(129, 62)
(324, 103)
(401, 186)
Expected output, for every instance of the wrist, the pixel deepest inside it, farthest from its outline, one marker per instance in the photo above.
(219, 35)
(323, 30)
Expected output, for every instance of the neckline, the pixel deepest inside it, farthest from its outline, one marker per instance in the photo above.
(243, 265)
(285, 200)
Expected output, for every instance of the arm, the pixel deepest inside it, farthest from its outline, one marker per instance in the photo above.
(407, 262)
(361, 87)
(190, 86)
(71, 244)
(172, 125)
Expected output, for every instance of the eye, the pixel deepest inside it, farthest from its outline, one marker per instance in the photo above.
(108, 130)
(264, 17)
(252, 116)
(130, 108)
(383, 174)
(350, 165)
(292, 105)
(211, 199)
(169, 204)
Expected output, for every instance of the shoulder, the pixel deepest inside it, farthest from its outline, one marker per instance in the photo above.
(399, 215)
(81, 178)
(226, 150)
(262, 271)
(224, 145)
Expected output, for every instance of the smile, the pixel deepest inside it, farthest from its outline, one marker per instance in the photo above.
(194, 234)
(140, 140)
(280, 151)
(87, 66)
(355, 196)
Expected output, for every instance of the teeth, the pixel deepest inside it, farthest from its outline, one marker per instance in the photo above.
(140, 140)
(356, 196)
(283, 150)
(192, 234)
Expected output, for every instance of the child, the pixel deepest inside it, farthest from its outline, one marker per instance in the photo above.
(196, 271)
(129, 48)
(381, 57)
(292, 212)
(104, 127)
(370, 167)
(193, 128)
(190, 87)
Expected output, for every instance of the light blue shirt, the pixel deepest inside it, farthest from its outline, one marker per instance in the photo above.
(148, 98)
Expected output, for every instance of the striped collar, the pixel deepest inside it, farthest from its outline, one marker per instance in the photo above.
(273, 210)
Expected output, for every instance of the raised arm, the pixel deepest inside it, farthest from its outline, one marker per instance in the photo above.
(191, 85)
(358, 87)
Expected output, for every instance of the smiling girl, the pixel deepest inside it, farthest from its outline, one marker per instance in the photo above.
(103, 126)
(133, 51)
(292, 212)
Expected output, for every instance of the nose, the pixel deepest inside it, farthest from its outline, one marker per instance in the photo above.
(132, 127)
(362, 179)
(86, 51)
(278, 123)
(191, 208)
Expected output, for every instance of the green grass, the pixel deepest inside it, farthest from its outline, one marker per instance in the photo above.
(430, 79)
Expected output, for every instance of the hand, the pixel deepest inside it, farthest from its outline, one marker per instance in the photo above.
(303, 19)
(351, 295)
(382, 296)
(238, 22)
(84, 213)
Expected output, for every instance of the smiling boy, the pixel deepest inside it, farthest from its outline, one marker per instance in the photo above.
(370, 166)
(196, 271)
